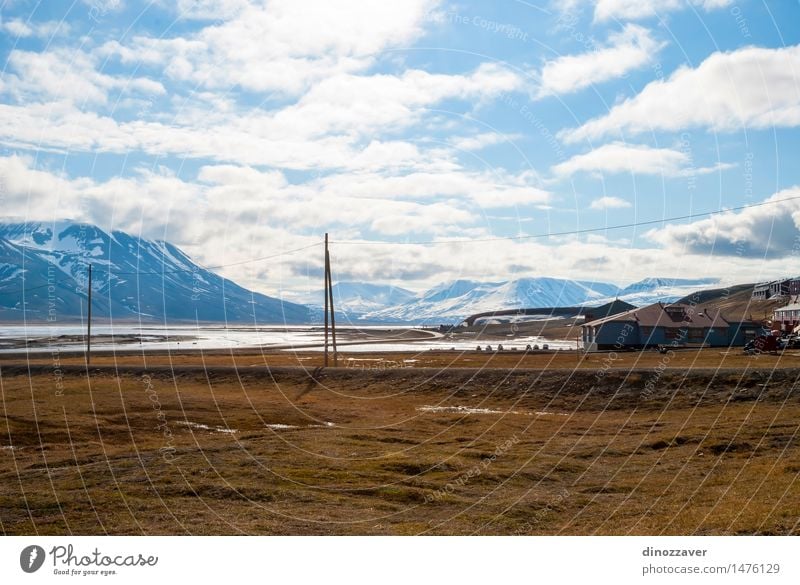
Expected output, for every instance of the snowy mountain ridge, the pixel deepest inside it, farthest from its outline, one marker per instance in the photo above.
(44, 276)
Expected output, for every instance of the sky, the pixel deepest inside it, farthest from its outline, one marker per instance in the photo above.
(432, 140)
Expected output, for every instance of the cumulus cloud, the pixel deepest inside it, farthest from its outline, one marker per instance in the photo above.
(44, 29)
(769, 231)
(630, 49)
(481, 140)
(206, 9)
(608, 202)
(606, 10)
(751, 87)
(239, 213)
(326, 128)
(67, 75)
(282, 46)
(619, 157)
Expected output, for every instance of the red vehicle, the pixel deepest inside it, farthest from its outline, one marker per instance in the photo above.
(763, 344)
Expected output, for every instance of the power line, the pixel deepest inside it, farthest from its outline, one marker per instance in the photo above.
(564, 233)
(430, 242)
(249, 261)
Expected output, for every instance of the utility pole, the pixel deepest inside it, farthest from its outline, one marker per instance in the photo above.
(326, 299)
(333, 317)
(89, 322)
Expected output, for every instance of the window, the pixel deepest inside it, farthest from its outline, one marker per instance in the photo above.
(696, 334)
(674, 333)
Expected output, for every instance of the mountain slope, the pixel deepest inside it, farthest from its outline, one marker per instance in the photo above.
(358, 297)
(457, 299)
(666, 290)
(132, 278)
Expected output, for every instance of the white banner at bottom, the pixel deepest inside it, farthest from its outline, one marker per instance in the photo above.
(381, 560)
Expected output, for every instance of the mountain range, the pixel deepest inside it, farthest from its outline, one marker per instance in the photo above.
(453, 301)
(136, 278)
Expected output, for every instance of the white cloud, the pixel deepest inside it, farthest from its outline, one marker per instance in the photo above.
(62, 74)
(237, 213)
(751, 87)
(630, 49)
(155, 201)
(46, 29)
(283, 46)
(206, 9)
(768, 231)
(326, 128)
(607, 202)
(361, 103)
(605, 10)
(480, 141)
(619, 157)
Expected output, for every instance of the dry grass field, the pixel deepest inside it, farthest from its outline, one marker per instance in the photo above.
(424, 450)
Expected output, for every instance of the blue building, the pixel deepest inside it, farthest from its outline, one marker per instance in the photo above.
(676, 325)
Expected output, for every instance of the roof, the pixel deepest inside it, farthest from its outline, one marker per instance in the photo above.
(777, 281)
(612, 308)
(789, 307)
(661, 315)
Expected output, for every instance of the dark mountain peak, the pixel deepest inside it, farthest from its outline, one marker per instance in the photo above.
(135, 278)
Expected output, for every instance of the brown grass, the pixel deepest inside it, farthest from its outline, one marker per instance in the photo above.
(702, 454)
(678, 360)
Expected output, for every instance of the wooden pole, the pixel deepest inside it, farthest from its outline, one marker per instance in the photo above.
(333, 317)
(326, 300)
(89, 321)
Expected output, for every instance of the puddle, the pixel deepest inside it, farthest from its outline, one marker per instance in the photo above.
(202, 427)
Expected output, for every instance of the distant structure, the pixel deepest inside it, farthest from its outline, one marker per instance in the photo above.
(775, 289)
(787, 318)
(659, 324)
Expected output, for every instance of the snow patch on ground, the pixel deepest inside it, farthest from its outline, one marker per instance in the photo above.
(202, 427)
(281, 426)
(475, 410)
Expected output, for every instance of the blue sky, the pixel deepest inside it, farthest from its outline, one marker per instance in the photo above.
(238, 129)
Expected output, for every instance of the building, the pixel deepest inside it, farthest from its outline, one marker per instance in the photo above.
(779, 288)
(761, 291)
(677, 325)
(775, 289)
(786, 318)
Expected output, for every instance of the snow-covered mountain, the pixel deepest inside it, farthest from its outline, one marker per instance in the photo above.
(44, 274)
(453, 301)
(358, 297)
(667, 290)
(460, 298)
